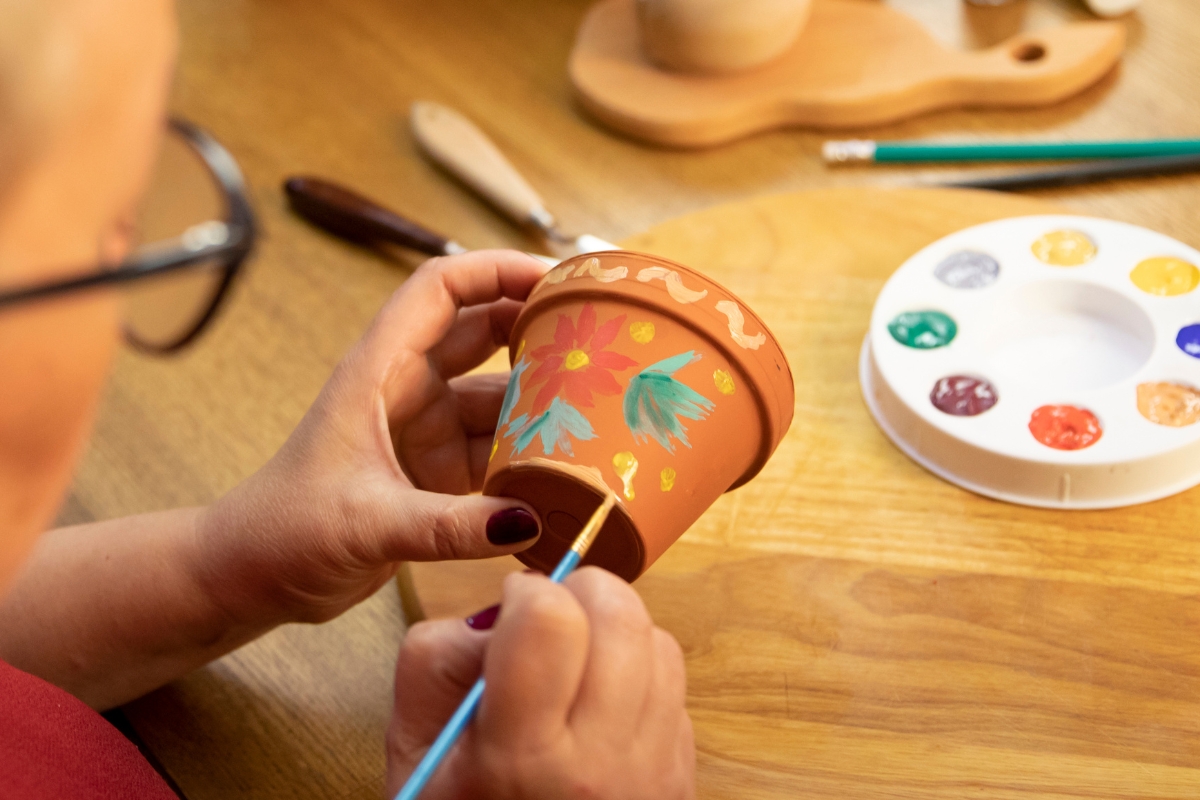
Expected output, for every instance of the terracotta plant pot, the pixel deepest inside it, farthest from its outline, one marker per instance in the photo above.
(635, 375)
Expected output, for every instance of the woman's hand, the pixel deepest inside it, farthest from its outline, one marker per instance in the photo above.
(380, 468)
(584, 698)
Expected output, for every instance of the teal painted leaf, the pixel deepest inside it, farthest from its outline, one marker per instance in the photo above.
(512, 395)
(655, 402)
(555, 426)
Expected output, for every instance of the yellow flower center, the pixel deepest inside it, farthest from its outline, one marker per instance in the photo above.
(577, 359)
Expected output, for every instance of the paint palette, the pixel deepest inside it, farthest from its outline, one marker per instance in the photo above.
(1048, 361)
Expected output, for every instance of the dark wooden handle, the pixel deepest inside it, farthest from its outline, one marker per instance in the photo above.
(359, 219)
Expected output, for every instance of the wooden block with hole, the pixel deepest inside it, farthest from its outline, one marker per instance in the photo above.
(854, 64)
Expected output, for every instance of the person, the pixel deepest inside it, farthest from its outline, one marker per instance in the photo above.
(585, 695)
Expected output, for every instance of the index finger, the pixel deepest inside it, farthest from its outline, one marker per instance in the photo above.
(423, 310)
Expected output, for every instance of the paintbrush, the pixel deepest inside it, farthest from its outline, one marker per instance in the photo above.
(866, 150)
(466, 710)
(1078, 174)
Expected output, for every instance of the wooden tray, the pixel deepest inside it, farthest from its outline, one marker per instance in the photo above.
(856, 63)
(857, 628)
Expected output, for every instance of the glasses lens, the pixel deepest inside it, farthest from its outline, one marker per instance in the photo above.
(182, 197)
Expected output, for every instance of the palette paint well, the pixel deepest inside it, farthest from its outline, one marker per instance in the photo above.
(1049, 361)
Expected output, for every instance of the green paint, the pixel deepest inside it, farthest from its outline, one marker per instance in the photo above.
(556, 425)
(512, 394)
(655, 402)
(923, 330)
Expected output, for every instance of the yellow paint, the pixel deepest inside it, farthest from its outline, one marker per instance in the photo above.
(1165, 276)
(1065, 248)
(495, 447)
(666, 479)
(1171, 404)
(626, 466)
(577, 359)
(520, 349)
(641, 332)
(724, 381)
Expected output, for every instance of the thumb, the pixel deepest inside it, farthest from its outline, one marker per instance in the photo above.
(426, 526)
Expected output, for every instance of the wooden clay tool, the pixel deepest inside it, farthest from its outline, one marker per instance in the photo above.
(466, 152)
(348, 214)
(352, 216)
(466, 710)
(854, 64)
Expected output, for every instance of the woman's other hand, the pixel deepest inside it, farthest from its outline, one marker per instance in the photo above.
(584, 698)
(380, 468)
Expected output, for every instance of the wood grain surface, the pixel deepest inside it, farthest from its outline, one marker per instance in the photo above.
(322, 87)
(855, 627)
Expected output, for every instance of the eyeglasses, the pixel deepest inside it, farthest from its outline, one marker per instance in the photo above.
(194, 230)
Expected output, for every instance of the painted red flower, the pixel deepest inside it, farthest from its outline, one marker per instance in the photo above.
(577, 365)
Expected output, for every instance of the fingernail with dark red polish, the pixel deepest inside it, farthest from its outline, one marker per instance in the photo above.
(484, 620)
(511, 525)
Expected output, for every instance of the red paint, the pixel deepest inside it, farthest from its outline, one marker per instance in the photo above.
(1065, 427)
(578, 381)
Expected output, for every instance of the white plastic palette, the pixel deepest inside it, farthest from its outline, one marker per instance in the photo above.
(1049, 361)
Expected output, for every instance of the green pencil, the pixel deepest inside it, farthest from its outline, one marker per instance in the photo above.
(838, 152)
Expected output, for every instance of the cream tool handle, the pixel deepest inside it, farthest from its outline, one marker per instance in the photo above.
(454, 142)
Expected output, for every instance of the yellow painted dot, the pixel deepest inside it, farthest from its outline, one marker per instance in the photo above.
(626, 465)
(520, 349)
(495, 447)
(666, 479)
(1065, 248)
(641, 332)
(1165, 276)
(577, 359)
(724, 381)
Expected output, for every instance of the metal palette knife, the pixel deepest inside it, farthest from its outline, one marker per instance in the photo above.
(462, 149)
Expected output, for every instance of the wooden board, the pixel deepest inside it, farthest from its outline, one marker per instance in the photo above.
(855, 64)
(855, 627)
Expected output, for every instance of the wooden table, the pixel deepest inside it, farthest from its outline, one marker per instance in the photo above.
(323, 87)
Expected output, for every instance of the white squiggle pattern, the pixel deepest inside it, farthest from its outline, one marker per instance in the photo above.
(555, 276)
(592, 267)
(675, 287)
(737, 324)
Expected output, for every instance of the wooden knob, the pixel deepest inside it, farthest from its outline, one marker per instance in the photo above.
(351, 216)
(719, 36)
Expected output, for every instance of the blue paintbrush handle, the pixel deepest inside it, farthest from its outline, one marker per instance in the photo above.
(442, 744)
(466, 711)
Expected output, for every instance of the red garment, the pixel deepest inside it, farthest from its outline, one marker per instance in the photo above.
(54, 747)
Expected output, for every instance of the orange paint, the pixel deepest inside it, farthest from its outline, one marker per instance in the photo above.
(1065, 427)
